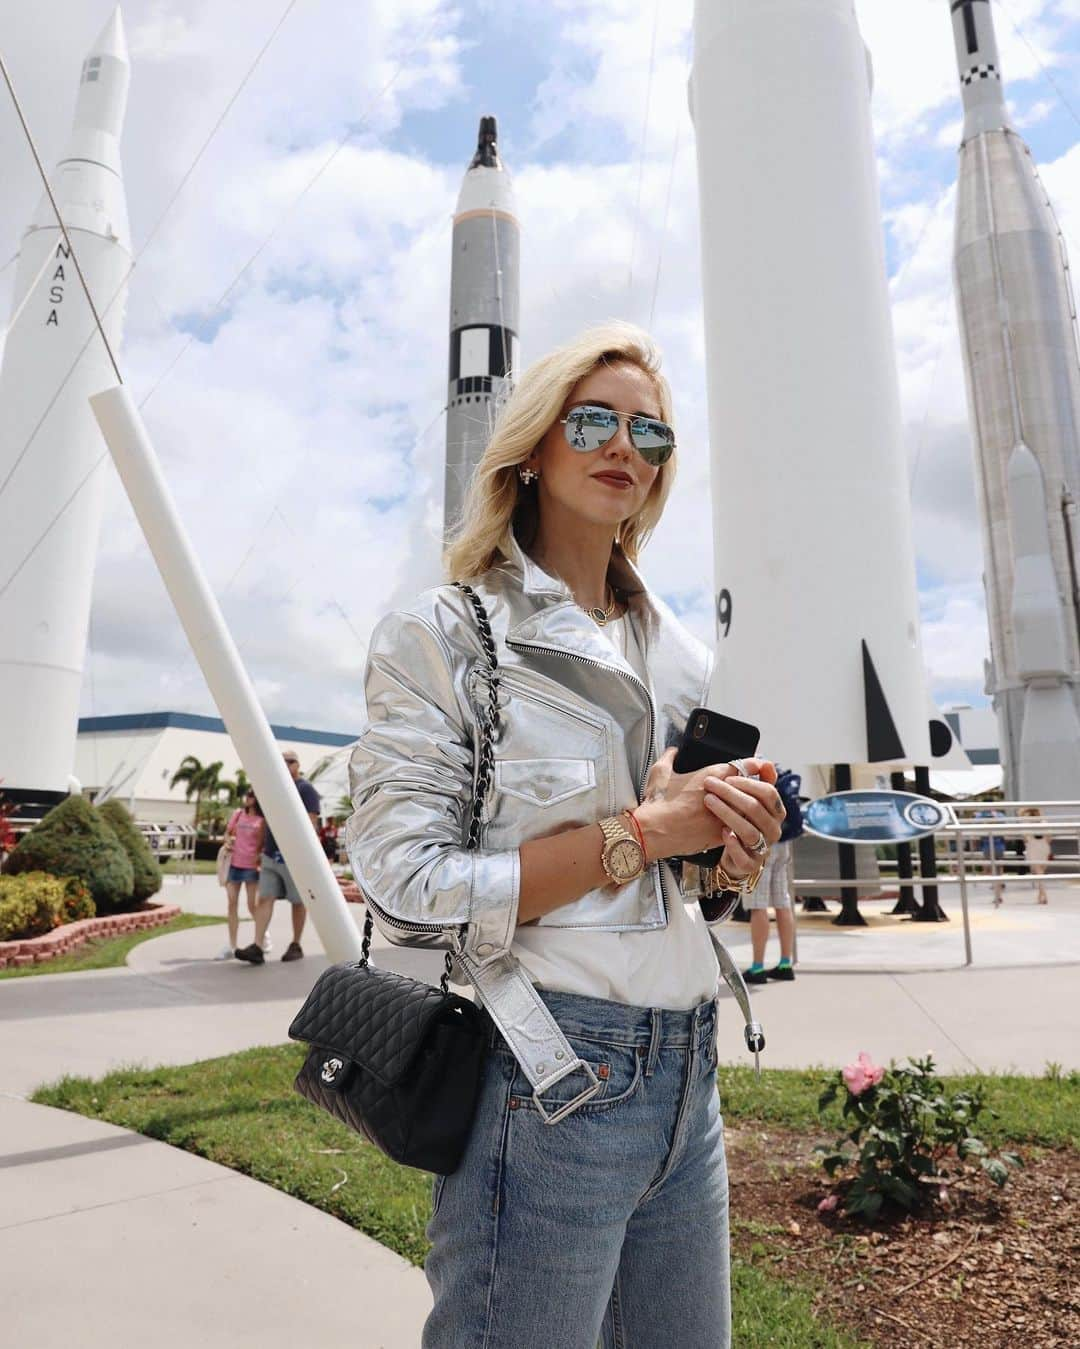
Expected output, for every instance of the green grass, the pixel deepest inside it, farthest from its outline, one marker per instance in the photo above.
(197, 866)
(104, 952)
(241, 1111)
(1044, 1111)
(767, 1311)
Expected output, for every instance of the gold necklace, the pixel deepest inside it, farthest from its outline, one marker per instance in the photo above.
(598, 615)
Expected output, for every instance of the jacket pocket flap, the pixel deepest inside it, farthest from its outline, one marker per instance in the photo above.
(377, 1019)
(544, 782)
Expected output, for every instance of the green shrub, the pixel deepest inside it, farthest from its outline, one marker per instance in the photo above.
(34, 903)
(143, 862)
(902, 1127)
(73, 840)
(77, 902)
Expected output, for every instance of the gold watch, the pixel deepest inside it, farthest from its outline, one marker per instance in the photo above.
(623, 857)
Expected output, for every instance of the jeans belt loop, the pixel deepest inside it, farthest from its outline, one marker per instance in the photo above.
(654, 1041)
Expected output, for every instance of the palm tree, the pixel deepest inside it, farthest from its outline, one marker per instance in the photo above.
(200, 780)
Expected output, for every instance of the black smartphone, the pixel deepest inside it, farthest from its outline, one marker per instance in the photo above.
(710, 738)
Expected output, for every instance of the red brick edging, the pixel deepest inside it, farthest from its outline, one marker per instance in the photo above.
(36, 950)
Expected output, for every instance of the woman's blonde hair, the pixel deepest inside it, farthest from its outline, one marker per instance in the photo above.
(498, 504)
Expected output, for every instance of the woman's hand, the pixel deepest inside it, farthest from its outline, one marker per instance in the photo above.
(689, 812)
(749, 809)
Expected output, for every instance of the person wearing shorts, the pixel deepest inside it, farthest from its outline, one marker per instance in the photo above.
(244, 836)
(275, 880)
(771, 893)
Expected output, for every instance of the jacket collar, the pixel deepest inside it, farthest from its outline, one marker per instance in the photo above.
(565, 625)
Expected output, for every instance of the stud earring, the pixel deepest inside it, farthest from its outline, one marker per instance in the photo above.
(528, 475)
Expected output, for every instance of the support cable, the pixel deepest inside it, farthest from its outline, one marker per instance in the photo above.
(644, 140)
(664, 229)
(350, 135)
(59, 218)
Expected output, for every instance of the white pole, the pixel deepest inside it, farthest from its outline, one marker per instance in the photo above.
(232, 691)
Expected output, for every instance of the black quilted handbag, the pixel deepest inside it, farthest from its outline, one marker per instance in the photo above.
(395, 1059)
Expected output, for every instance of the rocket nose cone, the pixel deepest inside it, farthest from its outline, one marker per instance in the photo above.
(111, 41)
(487, 145)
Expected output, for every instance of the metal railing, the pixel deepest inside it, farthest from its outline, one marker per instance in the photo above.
(958, 866)
(172, 844)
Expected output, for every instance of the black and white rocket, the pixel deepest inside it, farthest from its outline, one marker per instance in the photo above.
(1019, 338)
(484, 290)
(52, 472)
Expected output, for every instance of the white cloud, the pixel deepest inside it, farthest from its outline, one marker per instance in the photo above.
(300, 429)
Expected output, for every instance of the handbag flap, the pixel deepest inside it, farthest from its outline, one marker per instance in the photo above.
(376, 1018)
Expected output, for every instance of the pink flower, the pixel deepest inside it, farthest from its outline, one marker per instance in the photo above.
(861, 1074)
(829, 1203)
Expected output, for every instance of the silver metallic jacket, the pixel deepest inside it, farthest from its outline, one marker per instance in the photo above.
(579, 732)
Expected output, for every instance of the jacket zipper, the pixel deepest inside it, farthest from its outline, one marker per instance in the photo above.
(631, 679)
(612, 669)
(403, 925)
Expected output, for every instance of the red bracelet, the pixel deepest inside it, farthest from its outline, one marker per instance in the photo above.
(637, 830)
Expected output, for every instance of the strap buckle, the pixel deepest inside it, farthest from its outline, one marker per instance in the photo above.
(578, 1101)
(755, 1042)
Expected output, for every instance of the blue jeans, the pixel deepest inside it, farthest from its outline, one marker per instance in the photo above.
(610, 1226)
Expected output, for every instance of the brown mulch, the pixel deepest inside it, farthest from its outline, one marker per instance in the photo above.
(985, 1267)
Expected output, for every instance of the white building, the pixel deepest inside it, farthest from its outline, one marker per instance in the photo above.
(135, 756)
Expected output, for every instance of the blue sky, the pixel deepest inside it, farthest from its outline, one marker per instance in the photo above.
(299, 421)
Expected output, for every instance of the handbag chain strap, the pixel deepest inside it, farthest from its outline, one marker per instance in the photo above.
(487, 728)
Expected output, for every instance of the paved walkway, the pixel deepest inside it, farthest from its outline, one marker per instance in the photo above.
(165, 1246)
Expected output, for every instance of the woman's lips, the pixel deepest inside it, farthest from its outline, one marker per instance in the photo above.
(614, 479)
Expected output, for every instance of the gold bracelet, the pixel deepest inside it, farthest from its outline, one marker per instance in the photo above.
(743, 885)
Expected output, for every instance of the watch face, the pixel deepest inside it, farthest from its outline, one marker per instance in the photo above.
(625, 859)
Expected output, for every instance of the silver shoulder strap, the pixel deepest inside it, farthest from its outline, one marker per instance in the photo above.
(755, 1036)
(525, 1020)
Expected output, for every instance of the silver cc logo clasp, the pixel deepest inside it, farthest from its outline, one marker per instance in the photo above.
(330, 1070)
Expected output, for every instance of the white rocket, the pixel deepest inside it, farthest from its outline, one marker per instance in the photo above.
(49, 441)
(817, 613)
(1018, 332)
(484, 290)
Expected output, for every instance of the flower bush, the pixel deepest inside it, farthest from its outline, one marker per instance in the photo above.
(903, 1127)
(34, 903)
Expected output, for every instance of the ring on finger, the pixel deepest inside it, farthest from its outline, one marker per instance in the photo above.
(759, 847)
(739, 766)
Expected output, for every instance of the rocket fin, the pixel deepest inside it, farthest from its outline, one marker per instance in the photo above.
(882, 739)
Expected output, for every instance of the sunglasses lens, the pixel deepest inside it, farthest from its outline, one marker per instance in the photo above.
(653, 441)
(587, 428)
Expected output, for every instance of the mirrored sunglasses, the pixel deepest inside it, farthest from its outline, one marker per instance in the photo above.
(588, 427)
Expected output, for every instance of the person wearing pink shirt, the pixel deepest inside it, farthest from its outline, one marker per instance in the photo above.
(245, 830)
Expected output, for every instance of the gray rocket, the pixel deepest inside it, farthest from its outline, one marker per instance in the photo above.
(484, 286)
(1022, 360)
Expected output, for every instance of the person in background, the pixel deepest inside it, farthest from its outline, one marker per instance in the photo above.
(772, 891)
(1037, 852)
(328, 837)
(245, 833)
(275, 879)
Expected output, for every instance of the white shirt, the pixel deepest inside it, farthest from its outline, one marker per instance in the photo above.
(673, 967)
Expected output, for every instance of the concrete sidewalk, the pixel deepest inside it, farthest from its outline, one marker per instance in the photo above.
(164, 1246)
(110, 1240)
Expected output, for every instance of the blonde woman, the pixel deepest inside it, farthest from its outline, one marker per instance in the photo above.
(592, 1198)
